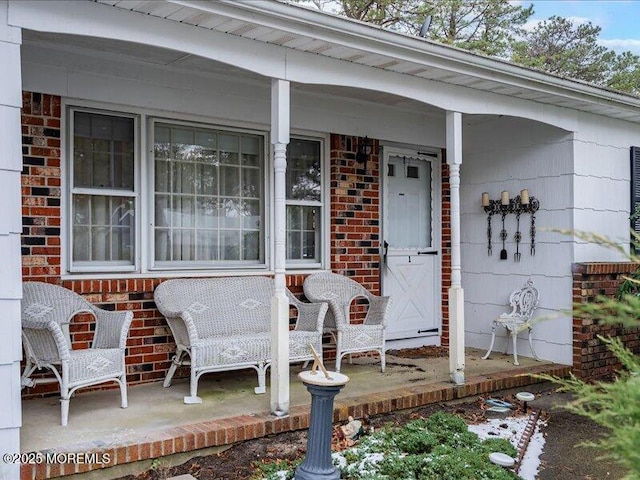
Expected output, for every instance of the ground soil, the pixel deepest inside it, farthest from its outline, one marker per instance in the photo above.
(562, 457)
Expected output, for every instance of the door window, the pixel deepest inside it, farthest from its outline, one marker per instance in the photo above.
(409, 186)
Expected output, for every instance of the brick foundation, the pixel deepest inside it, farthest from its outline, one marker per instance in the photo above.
(592, 360)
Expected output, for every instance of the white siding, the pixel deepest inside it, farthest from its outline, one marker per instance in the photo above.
(602, 184)
(512, 154)
(10, 229)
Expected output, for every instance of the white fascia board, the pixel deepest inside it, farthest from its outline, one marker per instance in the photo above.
(328, 71)
(103, 21)
(373, 39)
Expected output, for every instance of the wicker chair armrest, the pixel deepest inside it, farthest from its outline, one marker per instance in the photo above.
(340, 316)
(190, 319)
(112, 328)
(377, 312)
(310, 315)
(164, 306)
(60, 339)
(36, 323)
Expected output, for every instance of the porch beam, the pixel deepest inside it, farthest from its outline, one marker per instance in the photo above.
(456, 292)
(10, 229)
(280, 111)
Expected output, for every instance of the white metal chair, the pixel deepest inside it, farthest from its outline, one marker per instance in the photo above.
(340, 292)
(47, 311)
(524, 302)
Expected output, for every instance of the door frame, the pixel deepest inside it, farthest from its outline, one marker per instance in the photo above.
(434, 156)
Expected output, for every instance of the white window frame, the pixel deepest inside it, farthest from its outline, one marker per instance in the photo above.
(203, 265)
(322, 237)
(143, 175)
(70, 191)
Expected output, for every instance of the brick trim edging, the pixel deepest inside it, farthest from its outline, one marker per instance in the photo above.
(246, 427)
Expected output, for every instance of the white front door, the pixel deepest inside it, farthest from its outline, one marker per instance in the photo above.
(411, 257)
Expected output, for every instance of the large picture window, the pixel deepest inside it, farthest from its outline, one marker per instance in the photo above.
(103, 194)
(208, 196)
(304, 201)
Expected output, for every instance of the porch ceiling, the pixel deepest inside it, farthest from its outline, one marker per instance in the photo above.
(118, 49)
(136, 52)
(306, 30)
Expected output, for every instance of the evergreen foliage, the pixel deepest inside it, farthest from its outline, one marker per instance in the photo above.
(437, 448)
(614, 405)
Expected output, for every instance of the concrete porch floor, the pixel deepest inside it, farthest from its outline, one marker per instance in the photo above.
(157, 422)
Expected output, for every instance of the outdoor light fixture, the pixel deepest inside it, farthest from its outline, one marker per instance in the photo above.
(522, 203)
(365, 148)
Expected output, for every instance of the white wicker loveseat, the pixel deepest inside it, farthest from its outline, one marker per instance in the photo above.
(47, 311)
(225, 323)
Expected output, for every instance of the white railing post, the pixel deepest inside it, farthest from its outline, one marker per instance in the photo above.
(456, 292)
(280, 302)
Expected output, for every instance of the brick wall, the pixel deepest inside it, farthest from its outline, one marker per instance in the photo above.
(591, 358)
(355, 213)
(40, 186)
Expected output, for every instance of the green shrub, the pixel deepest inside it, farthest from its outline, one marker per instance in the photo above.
(449, 463)
(437, 448)
(613, 405)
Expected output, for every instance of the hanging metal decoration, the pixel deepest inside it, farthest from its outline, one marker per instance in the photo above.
(490, 208)
(534, 205)
(519, 205)
(517, 236)
(503, 236)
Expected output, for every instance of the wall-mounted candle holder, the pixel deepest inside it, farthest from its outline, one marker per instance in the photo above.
(522, 203)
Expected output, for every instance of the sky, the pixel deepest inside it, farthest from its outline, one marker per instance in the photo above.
(617, 18)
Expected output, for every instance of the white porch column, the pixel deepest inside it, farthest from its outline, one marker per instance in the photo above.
(280, 302)
(456, 293)
(10, 228)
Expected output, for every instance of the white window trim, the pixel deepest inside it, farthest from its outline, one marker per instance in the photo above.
(68, 192)
(150, 243)
(145, 192)
(324, 204)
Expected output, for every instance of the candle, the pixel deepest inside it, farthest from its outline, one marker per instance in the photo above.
(485, 199)
(524, 197)
(504, 198)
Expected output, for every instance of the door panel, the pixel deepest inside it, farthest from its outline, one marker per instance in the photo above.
(411, 264)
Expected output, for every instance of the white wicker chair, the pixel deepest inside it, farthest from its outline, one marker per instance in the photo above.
(339, 292)
(46, 312)
(523, 303)
(223, 324)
